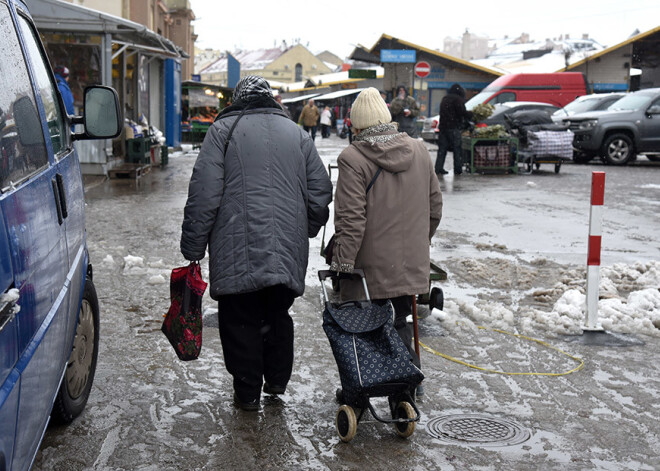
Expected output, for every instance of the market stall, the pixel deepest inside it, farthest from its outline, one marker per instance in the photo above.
(200, 104)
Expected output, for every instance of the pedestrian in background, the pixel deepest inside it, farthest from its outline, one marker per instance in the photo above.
(326, 122)
(383, 95)
(278, 99)
(453, 119)
(405, 110)
(310, 118)
(251, 200)
(62, 77)
(387, 230)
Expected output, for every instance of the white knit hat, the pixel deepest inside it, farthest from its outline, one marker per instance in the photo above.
(369, 109)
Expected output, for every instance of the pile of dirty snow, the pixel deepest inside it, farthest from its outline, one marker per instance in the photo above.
(629, 303)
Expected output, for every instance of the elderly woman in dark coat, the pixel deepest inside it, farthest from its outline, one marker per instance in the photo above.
(387, 231)
(254, 200)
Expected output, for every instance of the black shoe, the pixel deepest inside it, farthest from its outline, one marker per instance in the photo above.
(251, 406)
(273, 389)
(457, 173)
(443, 172)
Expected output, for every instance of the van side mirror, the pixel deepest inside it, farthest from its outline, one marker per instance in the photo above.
(101, 114)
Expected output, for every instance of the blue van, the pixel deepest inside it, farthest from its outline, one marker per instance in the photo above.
(49, 313)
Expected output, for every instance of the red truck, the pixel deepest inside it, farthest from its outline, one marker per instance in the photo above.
(558, 88)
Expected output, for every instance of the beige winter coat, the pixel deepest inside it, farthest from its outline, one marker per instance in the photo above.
(309, 116)
(386, 232)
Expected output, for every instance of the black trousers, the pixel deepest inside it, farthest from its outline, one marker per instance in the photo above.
(449, 139)
(256, 332)
(402, 309)
(311, 130)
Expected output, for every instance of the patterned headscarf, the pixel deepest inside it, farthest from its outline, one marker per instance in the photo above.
(251, 86)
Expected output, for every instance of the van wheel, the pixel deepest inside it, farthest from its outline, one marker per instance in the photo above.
(79, 376)
(618, 149)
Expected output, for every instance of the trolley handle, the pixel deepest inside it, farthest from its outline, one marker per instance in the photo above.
(357, 272)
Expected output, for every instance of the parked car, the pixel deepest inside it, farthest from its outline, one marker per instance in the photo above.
(49, 313)
(430, 130)
(628, 127)
(584, 103)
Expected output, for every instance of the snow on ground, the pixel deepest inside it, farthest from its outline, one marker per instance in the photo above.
(629, 293)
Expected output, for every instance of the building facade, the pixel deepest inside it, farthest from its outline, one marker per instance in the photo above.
(279, 64)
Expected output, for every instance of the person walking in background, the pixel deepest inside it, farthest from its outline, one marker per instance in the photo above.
(257, 186)
(453, 119)
(62, 77)
(405, 110)
(278, 99)
(309, 117)
(387, 230)
(326, 122)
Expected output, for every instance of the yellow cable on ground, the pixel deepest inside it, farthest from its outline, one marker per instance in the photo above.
(488, 370)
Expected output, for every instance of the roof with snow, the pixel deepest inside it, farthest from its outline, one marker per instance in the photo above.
(540, 56)
(386, 41)
(250, 60)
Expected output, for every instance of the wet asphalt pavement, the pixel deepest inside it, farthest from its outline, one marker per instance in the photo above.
(149, 411)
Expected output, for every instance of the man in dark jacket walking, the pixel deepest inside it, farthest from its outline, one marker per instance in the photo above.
(453, 117)
(257, 193)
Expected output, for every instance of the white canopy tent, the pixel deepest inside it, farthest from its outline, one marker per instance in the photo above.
(300, 98)
(338, 94)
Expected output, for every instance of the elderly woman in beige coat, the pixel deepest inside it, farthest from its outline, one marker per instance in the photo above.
(386, 231)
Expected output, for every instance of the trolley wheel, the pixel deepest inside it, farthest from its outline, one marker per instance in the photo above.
(437, 299)
(346, 423)
(404, 411)
(557, 167)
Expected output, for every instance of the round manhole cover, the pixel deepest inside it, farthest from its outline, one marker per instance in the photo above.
(477, 429)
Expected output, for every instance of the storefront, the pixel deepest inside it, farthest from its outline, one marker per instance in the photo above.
(99, 48)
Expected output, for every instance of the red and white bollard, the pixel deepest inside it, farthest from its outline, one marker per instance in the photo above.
(593, 256)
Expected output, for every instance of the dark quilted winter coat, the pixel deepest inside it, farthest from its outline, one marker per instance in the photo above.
(255, 207)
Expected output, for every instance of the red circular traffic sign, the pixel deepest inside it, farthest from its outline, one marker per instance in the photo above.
(422, 69)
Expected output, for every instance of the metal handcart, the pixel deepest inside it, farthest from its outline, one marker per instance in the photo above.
(498, 154)
(541, 140)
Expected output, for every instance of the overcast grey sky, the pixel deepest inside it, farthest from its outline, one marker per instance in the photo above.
(255, 24)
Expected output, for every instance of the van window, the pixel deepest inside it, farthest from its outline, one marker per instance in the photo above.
(47, 88)
(22, 145)
(503, 98)
(478, 99)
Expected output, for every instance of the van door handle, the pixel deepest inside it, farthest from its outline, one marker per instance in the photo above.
(8, 310)
(58, 204)
(60, 190)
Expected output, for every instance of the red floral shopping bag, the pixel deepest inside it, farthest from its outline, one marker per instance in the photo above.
(183, 322)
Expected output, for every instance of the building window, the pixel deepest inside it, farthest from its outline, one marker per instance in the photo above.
(178, 22)
(298, 73)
